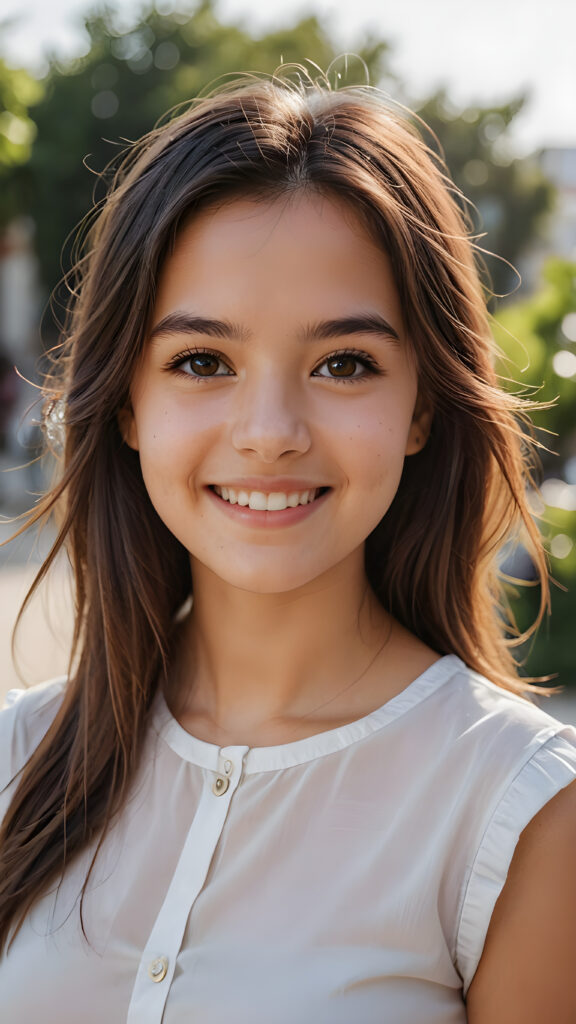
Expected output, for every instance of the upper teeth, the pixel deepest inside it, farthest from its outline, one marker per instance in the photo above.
(274, 502)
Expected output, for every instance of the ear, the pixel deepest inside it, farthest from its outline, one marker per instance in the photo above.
(127, 426)
(421, 425)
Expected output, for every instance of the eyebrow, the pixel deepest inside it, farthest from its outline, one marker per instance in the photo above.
(358, 323)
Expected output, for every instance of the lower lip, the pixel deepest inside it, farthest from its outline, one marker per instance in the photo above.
(254, 517)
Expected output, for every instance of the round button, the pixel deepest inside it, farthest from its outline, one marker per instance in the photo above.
(158, 969)
(220, 785)
(228, 766)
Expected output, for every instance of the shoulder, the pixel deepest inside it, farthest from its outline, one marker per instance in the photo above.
(520, 760)
(533, 928)
(24, 720)
(477, 695)
(484, 735)
(481, 715)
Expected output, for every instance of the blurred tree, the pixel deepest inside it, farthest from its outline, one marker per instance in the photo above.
(511, 195)
(18, 91)
(551, 651)
(537, 337)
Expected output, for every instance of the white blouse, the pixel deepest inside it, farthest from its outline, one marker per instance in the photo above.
(349, 876)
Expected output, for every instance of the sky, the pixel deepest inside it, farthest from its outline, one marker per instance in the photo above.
(483, 52)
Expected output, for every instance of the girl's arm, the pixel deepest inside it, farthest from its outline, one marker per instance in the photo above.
(527, 973)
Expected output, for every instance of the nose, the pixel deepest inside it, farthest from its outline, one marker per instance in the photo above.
(270, 420)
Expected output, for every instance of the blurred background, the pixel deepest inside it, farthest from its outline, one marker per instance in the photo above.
(496, 83)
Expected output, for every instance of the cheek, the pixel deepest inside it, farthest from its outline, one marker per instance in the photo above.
(172, 440)
(381, 471)
(375, 445)
(168, 429)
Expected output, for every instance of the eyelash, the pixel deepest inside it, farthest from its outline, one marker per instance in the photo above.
(371, 367)
(175, 364)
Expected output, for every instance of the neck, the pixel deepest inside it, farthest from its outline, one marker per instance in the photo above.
(254, 660)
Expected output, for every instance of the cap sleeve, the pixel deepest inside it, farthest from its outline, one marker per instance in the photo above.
(550, 769)
(24, 720)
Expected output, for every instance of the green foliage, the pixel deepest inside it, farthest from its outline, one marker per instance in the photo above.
(534, 346)
(529, 333)
(18, 91)
(551, 652)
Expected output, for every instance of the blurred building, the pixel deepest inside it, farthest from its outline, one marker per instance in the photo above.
(559, 165)
(19, 292)
(20, 311)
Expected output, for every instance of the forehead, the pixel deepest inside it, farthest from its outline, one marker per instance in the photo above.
(299, 252)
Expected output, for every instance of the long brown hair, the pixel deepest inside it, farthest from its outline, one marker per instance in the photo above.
(432, 559)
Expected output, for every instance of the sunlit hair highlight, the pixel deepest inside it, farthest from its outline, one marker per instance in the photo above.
(432, 561)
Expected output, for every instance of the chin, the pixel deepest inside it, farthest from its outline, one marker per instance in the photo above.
(266, 579)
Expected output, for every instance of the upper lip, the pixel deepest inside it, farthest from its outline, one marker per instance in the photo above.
(269, 485)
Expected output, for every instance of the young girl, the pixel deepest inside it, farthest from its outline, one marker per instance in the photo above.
(291, 776)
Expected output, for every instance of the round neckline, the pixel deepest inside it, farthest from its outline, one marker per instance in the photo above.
(288, 755)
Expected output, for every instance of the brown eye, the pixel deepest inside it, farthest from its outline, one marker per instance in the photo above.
(203, 364)
(348, 365)
(199, 364)
(342, 366)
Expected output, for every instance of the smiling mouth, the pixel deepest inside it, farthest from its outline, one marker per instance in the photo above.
(275, 501)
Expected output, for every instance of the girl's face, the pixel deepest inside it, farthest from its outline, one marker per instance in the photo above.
(275, 401)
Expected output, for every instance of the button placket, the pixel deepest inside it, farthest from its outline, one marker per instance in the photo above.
(224, 775)
(159, 957)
